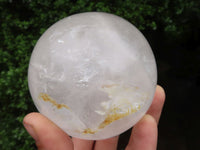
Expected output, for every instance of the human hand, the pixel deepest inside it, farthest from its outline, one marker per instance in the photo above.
(48, 136)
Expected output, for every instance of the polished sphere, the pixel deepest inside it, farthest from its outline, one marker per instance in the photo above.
(93, 74)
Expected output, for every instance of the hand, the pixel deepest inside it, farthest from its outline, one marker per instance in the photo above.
(143, 137)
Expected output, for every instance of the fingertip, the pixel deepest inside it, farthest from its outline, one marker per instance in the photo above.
(148, 119)
(161, 93)
(142, 124)
(155, 109)
(29, 118)
(28, 123)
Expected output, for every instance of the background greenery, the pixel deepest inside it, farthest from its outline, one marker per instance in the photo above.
(167, 24)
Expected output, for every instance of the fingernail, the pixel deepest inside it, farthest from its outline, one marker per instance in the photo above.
(31, 131)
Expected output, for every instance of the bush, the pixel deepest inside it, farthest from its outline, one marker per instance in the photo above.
(23, 21)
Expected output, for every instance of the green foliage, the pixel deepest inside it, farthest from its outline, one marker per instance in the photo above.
(23, 21)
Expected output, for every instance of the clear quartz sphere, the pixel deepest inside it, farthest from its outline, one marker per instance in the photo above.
(93, 74)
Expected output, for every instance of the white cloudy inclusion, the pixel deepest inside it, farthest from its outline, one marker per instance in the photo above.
(92, 74)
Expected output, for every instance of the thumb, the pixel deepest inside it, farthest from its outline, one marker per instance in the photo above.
(46, 134)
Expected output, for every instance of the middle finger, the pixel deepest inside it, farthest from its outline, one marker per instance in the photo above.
(80, 144)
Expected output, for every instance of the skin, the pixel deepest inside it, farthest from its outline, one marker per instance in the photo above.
(48, 136)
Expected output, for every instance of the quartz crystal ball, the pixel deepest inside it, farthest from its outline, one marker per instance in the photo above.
(92, 74)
